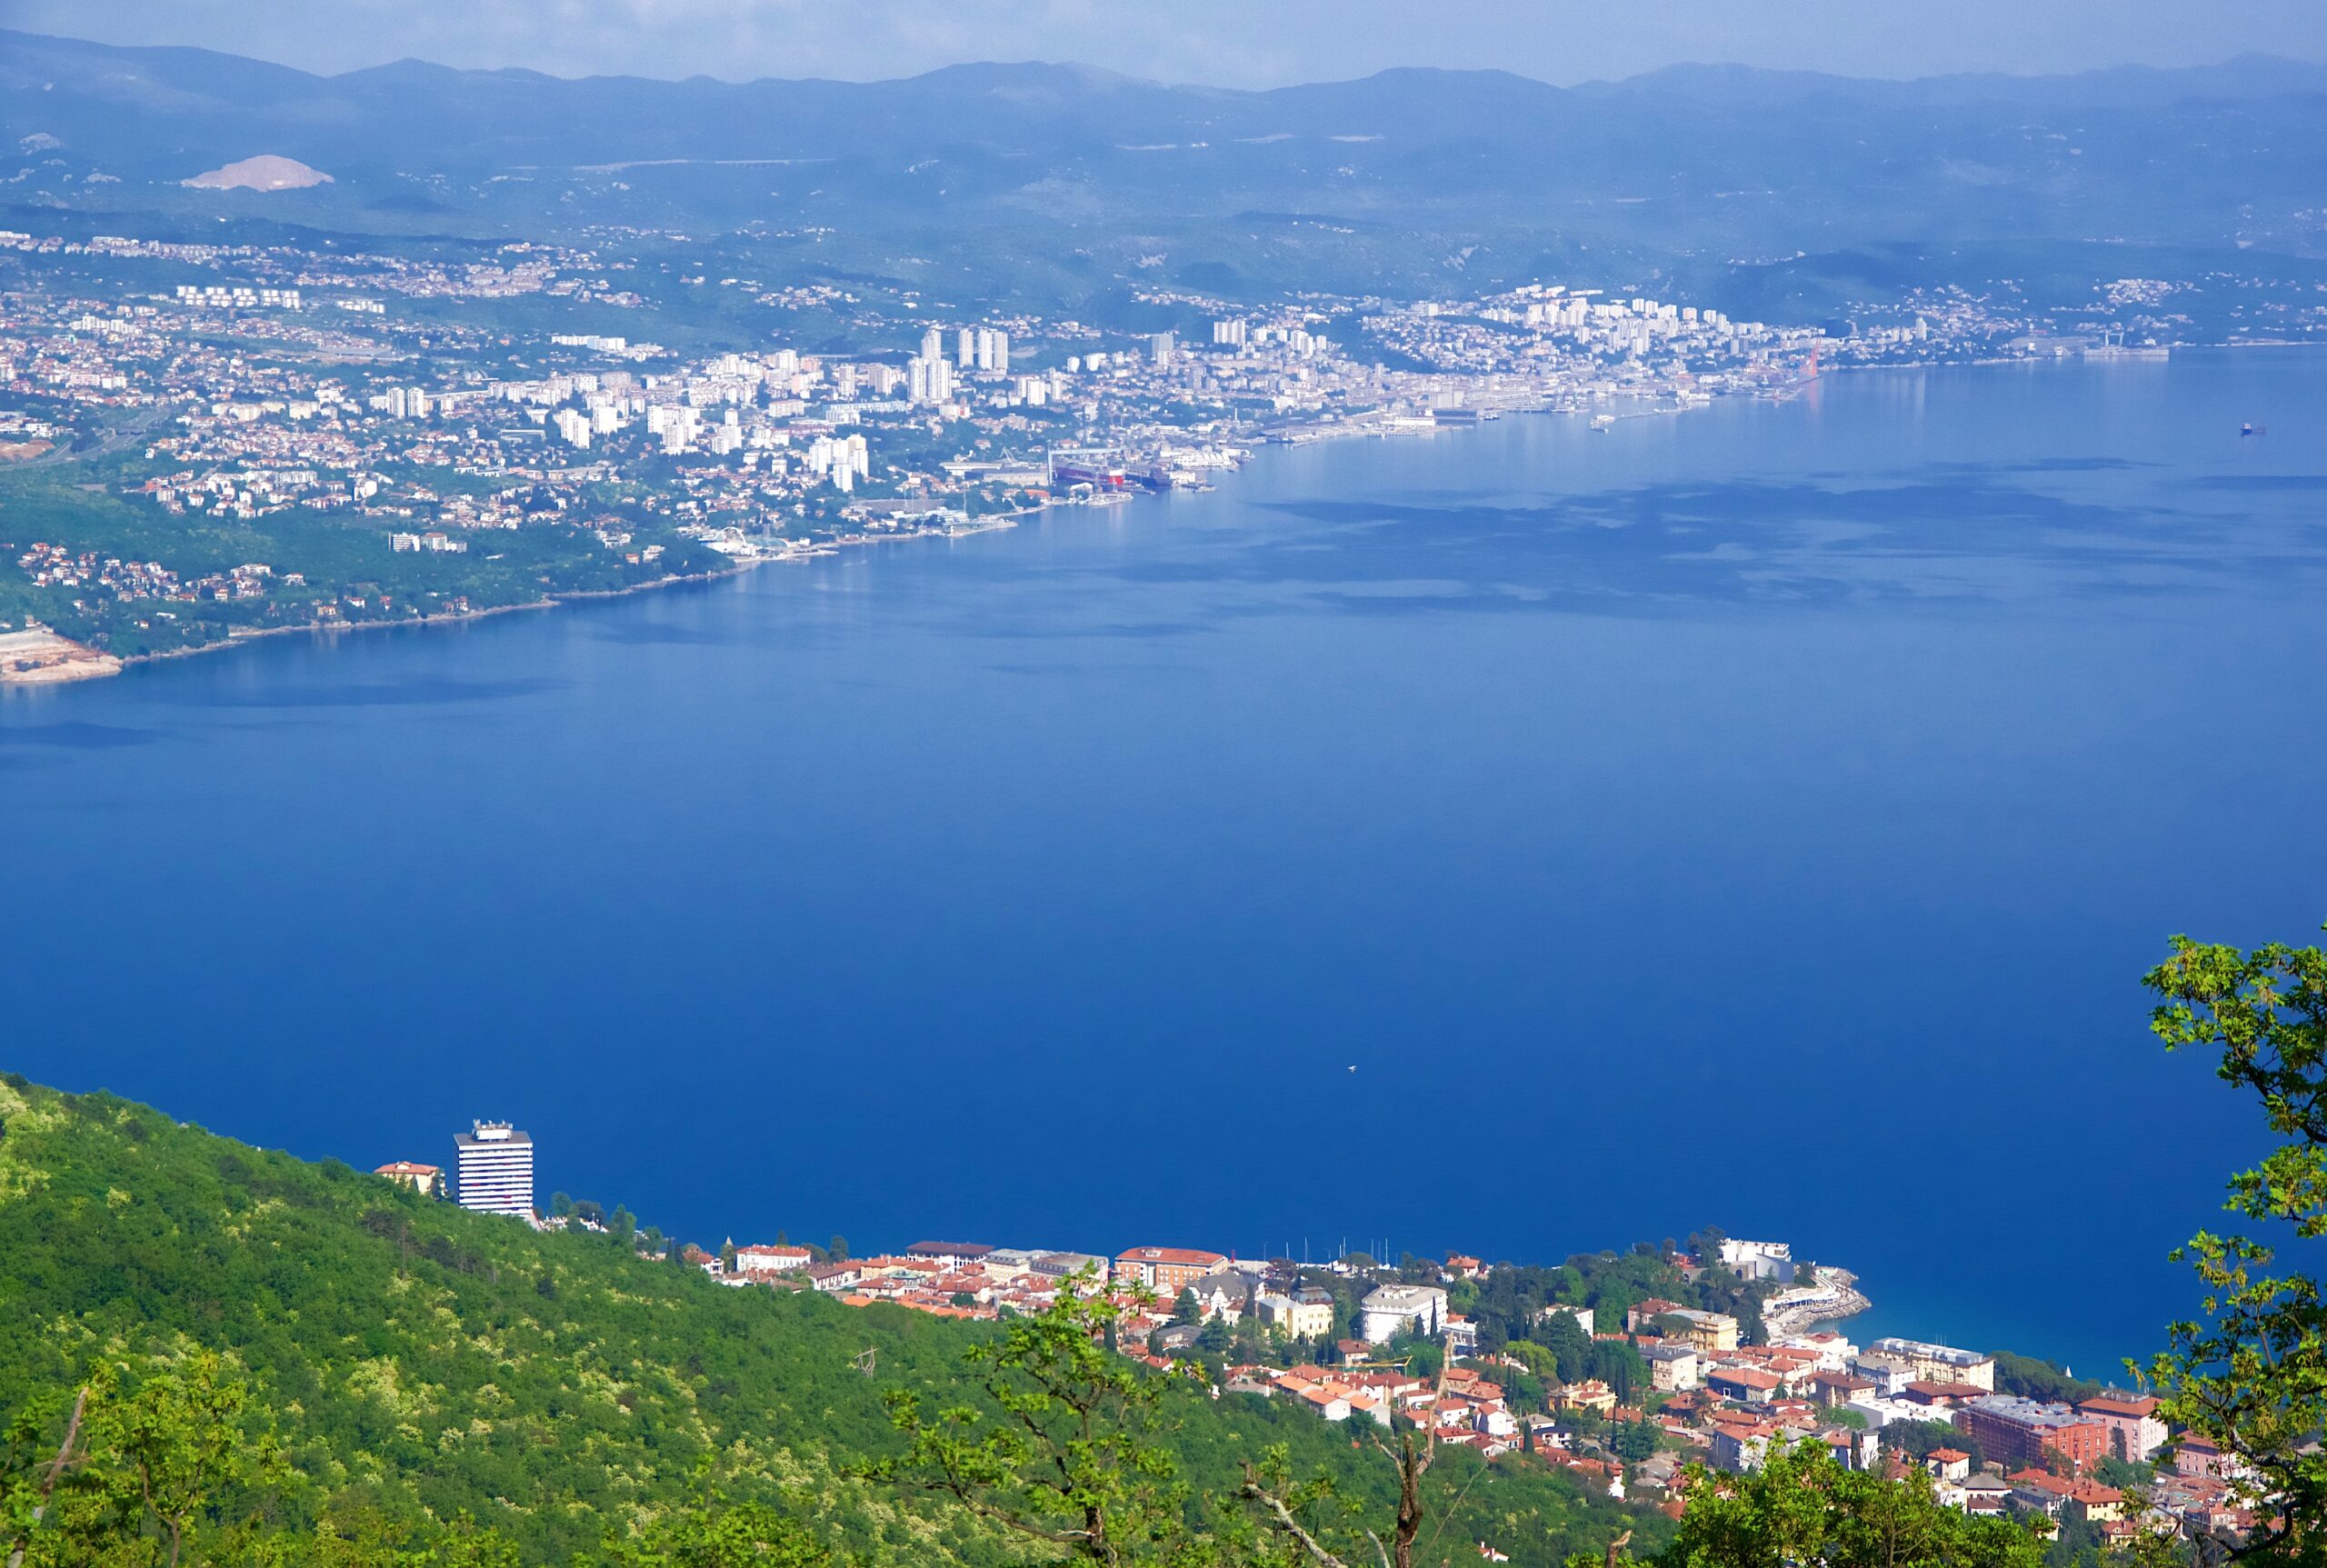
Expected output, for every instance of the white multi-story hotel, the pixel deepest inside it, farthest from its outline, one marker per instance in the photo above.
(496, 1170)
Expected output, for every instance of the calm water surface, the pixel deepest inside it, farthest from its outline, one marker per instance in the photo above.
(1522, 840)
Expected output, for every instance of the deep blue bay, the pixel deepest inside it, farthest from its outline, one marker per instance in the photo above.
(1758, 817)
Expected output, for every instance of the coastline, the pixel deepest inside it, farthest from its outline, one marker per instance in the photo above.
(1835, 1296)
(1307, 435)
(86, 662)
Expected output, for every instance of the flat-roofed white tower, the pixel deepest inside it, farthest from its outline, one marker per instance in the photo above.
(496, 1170)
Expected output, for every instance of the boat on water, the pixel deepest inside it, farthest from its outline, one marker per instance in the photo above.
(1601, 422)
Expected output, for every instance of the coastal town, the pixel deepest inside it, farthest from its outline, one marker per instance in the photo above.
(204, 443)
(1580, 1366)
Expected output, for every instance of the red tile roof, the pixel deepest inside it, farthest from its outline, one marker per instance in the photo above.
(1186, 1257)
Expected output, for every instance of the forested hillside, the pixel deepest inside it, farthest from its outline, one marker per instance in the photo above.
(214, 1354)
(419, 1363)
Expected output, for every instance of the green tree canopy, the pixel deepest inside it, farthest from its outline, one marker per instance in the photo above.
(2253, 1376)
(1802, 1507)
(1063, 1449)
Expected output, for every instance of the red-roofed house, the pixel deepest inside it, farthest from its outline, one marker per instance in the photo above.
(2040, 1490)
(1745, 1384)
(1328, 1400)
(2095, 1503)
(1590, 1394)
(428, 1181)
(1948, 1464)
(1829, 1389)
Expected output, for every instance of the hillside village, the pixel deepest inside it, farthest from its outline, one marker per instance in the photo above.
(1622, 1389)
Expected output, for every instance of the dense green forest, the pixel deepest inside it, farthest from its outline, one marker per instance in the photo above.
(419, 1364)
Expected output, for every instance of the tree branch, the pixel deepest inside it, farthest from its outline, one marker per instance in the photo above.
(55, 1468)
(1291, 1526)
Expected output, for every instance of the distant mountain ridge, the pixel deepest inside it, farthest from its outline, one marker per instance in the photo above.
(2249, 75)
(1695, 161)
(2123, 86)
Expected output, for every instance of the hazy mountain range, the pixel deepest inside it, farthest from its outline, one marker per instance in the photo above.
(1710, 163)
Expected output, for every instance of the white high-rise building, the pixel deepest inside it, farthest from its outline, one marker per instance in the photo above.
(929, 380)
(932, 344)
(966, 349)
(496, 1170)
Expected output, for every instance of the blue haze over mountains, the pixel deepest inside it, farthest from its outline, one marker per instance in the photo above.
(1500, 177)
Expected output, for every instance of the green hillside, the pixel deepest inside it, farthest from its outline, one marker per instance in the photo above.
(419, 1363)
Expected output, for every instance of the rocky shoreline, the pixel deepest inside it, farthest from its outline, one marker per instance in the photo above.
(1798, 1309)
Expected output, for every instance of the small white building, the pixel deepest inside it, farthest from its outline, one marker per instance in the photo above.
(1759, 1260)
(1582, 1314)
(1389, 1311)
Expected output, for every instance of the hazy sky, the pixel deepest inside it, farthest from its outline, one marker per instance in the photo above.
(1245, 42)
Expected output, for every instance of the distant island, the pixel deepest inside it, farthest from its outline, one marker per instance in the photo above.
(267, 171)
